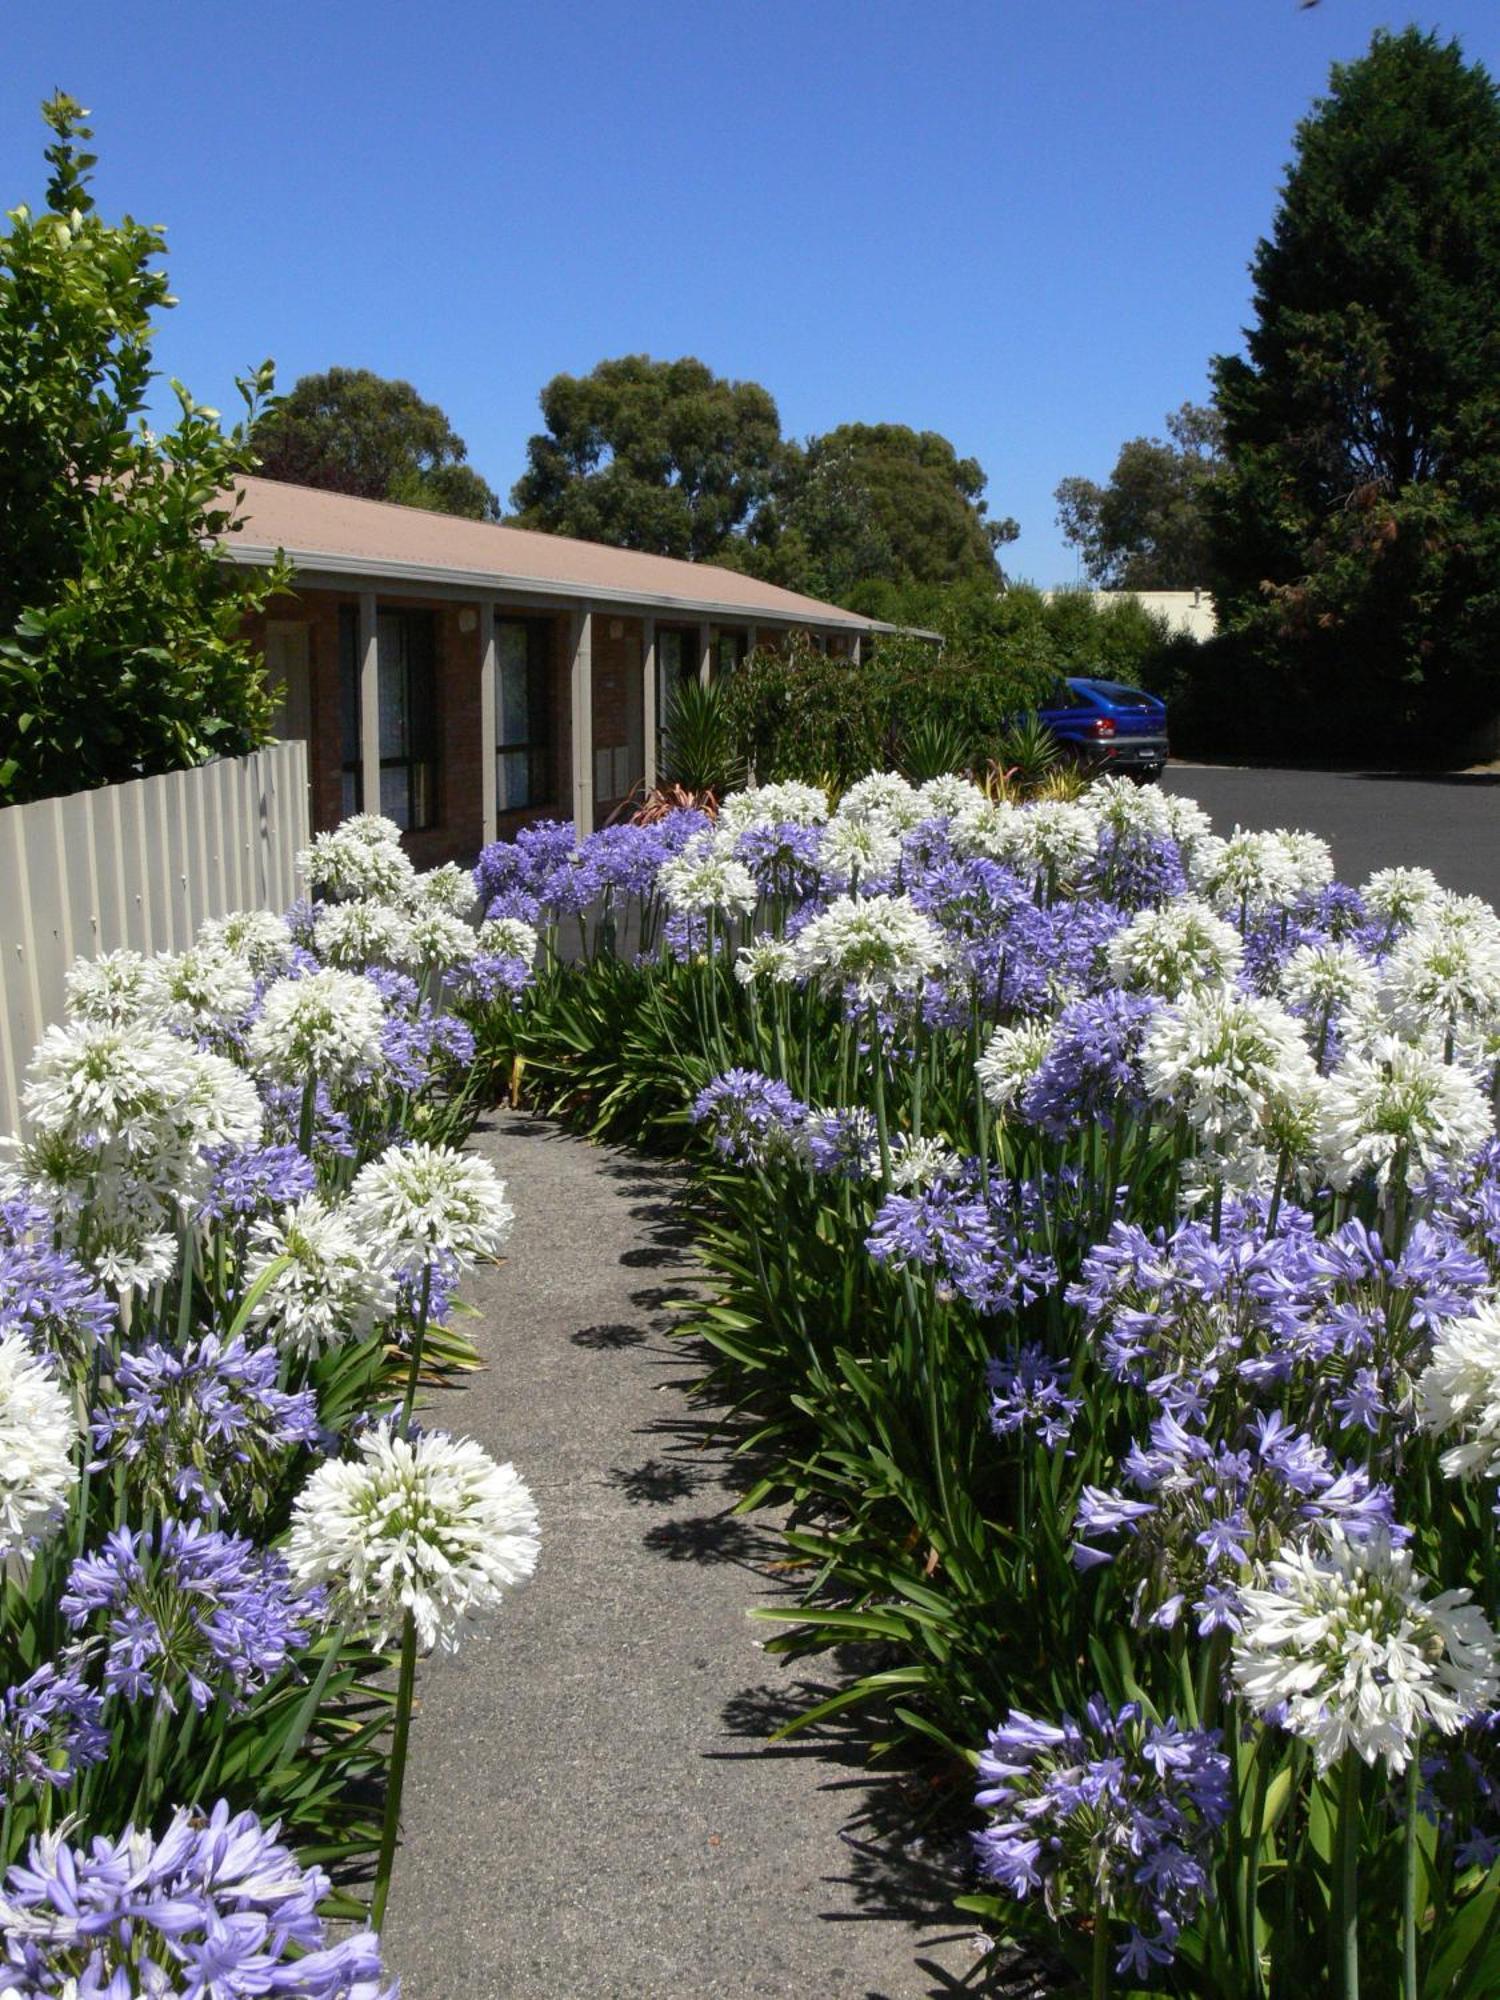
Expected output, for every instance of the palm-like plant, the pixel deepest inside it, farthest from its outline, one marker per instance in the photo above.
(698, 748)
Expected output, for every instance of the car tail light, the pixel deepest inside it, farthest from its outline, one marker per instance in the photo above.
(1103, 727)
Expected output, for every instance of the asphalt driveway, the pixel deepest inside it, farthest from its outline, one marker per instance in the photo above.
(1449, 823)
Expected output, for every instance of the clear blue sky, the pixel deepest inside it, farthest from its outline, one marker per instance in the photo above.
(1024, 223)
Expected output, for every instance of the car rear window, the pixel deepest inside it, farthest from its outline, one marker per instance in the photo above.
(1122, 696)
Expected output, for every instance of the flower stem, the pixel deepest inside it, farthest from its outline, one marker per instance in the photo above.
(1099, 1967)
(418, 1338)
(1409, 1912)
(391, 1830)
(1348, 1876)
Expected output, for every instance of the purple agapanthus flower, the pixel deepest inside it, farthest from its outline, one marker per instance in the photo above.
(203, 1425)
(45, 1292)
(1028, 1394)
(1091, 1072)
(748, 1118)
(1112, 1816)
(187, 1608)
(978, 1246)
(254, 1181)
(214, 1908)
(49, 1729)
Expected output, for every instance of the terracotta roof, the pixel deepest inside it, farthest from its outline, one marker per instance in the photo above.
(336, 534)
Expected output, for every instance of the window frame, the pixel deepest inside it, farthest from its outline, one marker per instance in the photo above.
(538, 748)
(419, 761)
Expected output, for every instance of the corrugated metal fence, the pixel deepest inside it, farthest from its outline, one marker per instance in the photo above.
(138, 865)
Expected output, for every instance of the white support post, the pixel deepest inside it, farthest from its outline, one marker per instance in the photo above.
(752, 639)
(705, 654)
(649, 724)
(369, 702)
(489, 735)
(855, 649)
(582, 687)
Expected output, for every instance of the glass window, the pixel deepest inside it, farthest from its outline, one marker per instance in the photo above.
(523, 713)
(676, 662)
(407, 646)
(730, 651)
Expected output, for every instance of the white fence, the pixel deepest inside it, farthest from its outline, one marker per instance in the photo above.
(138, 865)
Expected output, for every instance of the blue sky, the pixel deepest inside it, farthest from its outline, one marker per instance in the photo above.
(1024, 223)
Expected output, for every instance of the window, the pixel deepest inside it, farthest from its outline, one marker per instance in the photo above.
(407, 649)
(728, 653)
(676, 662)
(523, 713)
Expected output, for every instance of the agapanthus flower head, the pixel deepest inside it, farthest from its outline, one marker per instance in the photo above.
(1344, 1648)
(112, 989)
(1011, 1059)
(362, 857)
(1029, 1394)
(362, 932)
(216, 1908)
(1442, 977)
(261, 938)
(186, 1609)
(766, 961)
(246, 1181)
(976, 1244)
(448, 888)
(203, 1425)
(1125, 807)
(1230, 1063)
(1323, 978)
(879, 948)
(918, 1163)
(422, 1525)
(950, 796)
(1248, 870)
(885, 799)
(1055, 837)
(1398, 1105)
(438, 941)
(1091, 1072)
(1114, 1815)
(206, 990)
(327, 1288)
(508, 937)
(38, 1438)
(1398, 896)
(418, 1206)
(789, 802)
(50, 1730)
(700, 881)
(1182, 948)
(749, 1118)
(843, 1144)
(326, 1025)
(859, 851)
(46, 1294)
(1458, 1395)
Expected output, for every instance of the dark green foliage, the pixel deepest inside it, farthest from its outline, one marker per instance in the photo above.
(350, 431)
(869, 502)
(1027, 750)
(663, 456)
(932, 747)
(121, 652)
(1357, 524)
(698, 744)
(804, 714)
(1147, 527)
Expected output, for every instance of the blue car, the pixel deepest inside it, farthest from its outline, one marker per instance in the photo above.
(1109, 727)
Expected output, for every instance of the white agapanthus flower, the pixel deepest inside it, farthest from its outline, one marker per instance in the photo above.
(859, 850)
(204, 990)
(1399, 895)
(1181, 948)
(509, 937)
(131, 1258)
(1441, 976)
(917, 1163)
(886, 799)
(1325, 979)
(768, 961)
(1248, 870)
(325, 1025)
(448, 888)
(1349, 1653)
(38, 1434)
(362, 857)
(1186, 822)
(362, 932)
(419, 1204)
(785, 804)
(115, 987)
(1458, 1393)
(1398, 1101)
(951, 797)
(259, 937)
(222, 1104)
(428, 1526)
(1310, 857)
(701, 879)
(1124, 807)
(330, 1289)
(987, 831)
(881, 946)
(1012, 1056)
(437, 941)
(1058, 837)
(135, 1095)
(1234, 1065)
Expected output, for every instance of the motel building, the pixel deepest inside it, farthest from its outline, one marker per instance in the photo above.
(464, 677)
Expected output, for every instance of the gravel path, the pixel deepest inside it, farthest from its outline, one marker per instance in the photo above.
(591, 1808)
